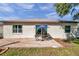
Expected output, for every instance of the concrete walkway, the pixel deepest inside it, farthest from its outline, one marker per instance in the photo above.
(28, 43)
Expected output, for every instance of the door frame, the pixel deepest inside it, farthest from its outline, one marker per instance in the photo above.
(41, 24)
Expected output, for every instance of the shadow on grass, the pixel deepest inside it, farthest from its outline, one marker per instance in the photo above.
(76, 41)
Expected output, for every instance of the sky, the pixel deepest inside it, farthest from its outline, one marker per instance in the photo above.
(30, 11)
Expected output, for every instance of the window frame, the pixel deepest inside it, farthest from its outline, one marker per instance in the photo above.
(37, 25)
(67, 28)
(17, 29)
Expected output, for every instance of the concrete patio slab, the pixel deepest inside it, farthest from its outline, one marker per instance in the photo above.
(28, 43)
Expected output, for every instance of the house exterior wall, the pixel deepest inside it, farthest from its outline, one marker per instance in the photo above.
(28, 32)
(58, 30)
(55, 30)
(1, 29)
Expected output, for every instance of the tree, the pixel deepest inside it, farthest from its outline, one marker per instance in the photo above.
(64, 8)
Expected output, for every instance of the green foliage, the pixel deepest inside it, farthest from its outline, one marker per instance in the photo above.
(64, 8)
(76, 16)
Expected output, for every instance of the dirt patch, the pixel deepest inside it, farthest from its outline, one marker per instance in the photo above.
(63, 43)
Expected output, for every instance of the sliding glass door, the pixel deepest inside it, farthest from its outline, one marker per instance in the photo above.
(41, 29)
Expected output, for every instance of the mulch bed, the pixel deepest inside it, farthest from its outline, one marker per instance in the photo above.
(63, 43)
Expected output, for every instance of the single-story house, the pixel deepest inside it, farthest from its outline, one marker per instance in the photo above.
(29, 28)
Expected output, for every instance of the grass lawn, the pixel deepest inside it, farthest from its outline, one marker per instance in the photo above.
(74, 51)
(42, 52)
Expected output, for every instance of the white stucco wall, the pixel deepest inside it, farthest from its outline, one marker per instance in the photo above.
(56, 31)
(28, 32)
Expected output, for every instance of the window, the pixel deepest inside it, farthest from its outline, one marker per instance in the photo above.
(17, 28)
(67, 29)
